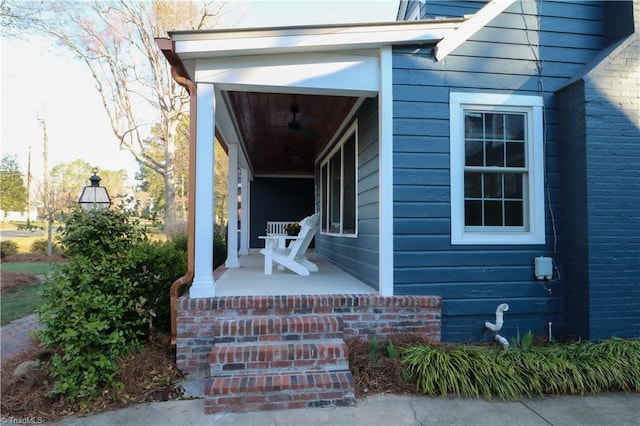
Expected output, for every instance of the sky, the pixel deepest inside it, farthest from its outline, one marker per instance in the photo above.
(38, 81)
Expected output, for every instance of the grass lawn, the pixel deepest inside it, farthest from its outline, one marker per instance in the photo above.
(21, 298)
(19, 302)
(34, 268)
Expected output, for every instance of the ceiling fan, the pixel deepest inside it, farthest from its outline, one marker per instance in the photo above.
(291, 159)
(297, 124)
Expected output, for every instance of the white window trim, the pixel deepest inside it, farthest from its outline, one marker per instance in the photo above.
(535, 234)
(352, 130)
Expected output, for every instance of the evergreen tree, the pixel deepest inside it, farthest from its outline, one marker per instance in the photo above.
(13, 194)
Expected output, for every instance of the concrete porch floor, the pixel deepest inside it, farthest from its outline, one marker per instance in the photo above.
(249, 279)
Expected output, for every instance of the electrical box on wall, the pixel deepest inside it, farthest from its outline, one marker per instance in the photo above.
(543, 268)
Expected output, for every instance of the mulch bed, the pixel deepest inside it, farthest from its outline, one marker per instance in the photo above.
(11, 280)
(33, 257)
(384, 375)
(149, 375)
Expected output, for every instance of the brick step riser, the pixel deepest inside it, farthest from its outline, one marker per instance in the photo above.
(265, 329)
(322, 355)
(284, 338)
(277, 402)
(249, 383)
(243, 404)
(277, 391)
(280, 367)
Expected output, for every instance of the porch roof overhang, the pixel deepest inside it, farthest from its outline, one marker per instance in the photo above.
(307, 39)
(256, 109)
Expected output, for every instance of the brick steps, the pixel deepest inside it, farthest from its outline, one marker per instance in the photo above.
(278, 362)
(273, 328)
(230, 358)
(278, 391)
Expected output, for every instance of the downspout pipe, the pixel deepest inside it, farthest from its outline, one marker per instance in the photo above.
(180, 75)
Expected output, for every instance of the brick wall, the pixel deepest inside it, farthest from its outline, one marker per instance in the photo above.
(612, 106)
(362, 316)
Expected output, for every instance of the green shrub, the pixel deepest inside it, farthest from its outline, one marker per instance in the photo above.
(219, 249)
(39, 246)
(8, 248)
(93, 312)
(158, 266)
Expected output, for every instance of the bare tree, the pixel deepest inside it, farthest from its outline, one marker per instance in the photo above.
(115, 39)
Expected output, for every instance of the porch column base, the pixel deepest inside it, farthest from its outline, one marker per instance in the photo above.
(232, 263)
(202, 288)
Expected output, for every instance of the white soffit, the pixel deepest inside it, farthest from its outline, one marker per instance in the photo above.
(226, 43)
(481, 18)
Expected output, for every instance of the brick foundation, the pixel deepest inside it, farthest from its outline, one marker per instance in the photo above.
(361, 315)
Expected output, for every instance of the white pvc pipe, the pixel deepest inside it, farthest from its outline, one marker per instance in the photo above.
(503, 307)
(504, 342)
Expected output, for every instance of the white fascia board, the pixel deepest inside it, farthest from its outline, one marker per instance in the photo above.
(225, 43)
(477, 21)
(344, 73)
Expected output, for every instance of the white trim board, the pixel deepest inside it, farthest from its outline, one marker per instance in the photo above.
(481, 18)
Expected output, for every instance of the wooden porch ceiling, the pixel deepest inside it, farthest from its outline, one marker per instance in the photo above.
(276, 148)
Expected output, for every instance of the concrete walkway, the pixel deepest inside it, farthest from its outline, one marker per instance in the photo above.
(14, 337)
(605, 409)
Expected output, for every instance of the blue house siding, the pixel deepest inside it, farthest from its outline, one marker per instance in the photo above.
(359, 256)
(278, 199)
(602, 186)
(527, 56)
(574, 240)
(450, 9)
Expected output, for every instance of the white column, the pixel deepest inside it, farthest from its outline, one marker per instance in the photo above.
(385, 174)
(203, 284)
(232, 202)
(244, 211)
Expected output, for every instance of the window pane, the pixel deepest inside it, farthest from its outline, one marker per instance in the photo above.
(472, 185)
(494, 126)
(493, 213)
(514, 127)
(513, 213)
(492, 185)
(473, 213)
(473, 153)
(515, 154)
(349, 186)
(334, 193)
(473, 127)
(513, 186)
(495, 154)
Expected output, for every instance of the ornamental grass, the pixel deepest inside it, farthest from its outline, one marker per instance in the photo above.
(487, 371)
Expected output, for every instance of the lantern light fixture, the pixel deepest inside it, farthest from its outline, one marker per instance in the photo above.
(94, 197)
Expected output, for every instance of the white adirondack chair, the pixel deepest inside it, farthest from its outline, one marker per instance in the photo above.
(293, 257)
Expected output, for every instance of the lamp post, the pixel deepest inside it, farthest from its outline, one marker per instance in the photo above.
(94, 197)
